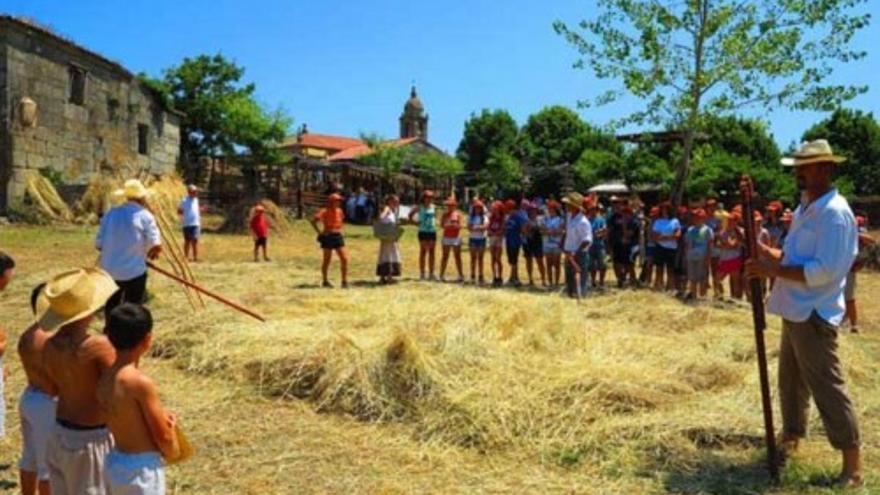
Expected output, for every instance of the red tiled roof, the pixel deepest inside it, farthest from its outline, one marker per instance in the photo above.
(359, 151)
(323, 141)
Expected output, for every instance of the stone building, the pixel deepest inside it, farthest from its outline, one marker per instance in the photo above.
(75, 113)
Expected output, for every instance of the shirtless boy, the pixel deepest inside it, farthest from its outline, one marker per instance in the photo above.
(36, 407)
(142, 430)
(73, 360)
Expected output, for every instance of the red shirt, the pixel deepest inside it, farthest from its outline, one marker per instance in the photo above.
(259, 225)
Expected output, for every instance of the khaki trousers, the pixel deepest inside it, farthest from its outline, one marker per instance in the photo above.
(809, 366)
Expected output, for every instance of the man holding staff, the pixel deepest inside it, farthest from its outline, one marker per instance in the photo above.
(127, 237)
(810, 272)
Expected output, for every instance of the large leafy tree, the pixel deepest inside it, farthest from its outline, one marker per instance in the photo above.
(856, 135)
(222, 115)
(550, 142)
(683, 59)
(487, 151)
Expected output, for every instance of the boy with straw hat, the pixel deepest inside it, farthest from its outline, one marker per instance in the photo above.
(810, 272)
(128, 235)
(74, 360)
(143, 431)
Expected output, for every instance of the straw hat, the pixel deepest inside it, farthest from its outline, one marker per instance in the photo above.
(818, 151)
(72, 296)
(574, 199)
(133, 189)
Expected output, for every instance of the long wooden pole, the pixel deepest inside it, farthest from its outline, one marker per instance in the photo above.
(213, 295)
(758, 319)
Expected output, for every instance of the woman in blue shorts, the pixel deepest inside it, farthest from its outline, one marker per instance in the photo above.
(478, 224)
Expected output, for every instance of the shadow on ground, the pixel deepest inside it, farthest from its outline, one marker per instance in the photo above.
(718, 476)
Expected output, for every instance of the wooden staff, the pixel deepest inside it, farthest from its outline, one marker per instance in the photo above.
(758, 318)
(177, 254)
(207, 292)
(576, 272)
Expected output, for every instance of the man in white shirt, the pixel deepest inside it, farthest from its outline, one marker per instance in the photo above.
(192, 222)
(810, 272)
(578, 237)
(128, 235)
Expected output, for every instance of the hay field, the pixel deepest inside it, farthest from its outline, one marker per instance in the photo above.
(430, 388)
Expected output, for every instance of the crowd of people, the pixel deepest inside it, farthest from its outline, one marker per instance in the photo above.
(695, 252)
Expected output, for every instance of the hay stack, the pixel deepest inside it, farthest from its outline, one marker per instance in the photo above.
(97, 199)
(239, 216)
(46, 199)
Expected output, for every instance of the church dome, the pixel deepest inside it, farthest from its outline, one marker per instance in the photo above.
(413, 104)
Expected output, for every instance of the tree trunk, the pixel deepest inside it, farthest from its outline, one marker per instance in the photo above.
(684, 169)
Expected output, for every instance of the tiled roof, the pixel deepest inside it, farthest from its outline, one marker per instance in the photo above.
(322, 141)
(359, 151)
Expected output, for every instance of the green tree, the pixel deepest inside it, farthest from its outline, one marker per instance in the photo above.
(437, 165)
(487, 151)
(221, 114)
(685, 59)
(855, 135)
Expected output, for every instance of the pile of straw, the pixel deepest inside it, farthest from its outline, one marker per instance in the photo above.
(43, 195)
(238, 217)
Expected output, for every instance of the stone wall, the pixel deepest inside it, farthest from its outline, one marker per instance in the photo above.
(74, 140)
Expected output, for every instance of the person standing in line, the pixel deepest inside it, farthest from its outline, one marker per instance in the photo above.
(331, 239)
(698, 242)
(810, 272)
(666, 231)
(730, 259)
(533, 247)
(427, 233)
(127, 237)
(191, 218)
(496, 242)
(598, 224)
(513, 237)
(552, 228)
(625, 249)
(451, 222)
(646, 277)
(478, 225)
(865, 241)
(713, 221)
(389, 265)
(578, 237)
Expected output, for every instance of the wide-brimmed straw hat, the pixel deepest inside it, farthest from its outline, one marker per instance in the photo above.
(574, 199)
(133, 189)
(72, 296)
(818, 151)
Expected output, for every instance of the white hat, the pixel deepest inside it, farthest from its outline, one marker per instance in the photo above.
(818, 151)
(192, 187)
(72, 296)
(133, 189)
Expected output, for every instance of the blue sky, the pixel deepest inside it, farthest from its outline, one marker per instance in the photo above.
(345, 66)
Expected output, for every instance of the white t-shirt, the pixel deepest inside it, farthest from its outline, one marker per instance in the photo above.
(577, 232)
(192, 217)
(665, 227)
(478, 220)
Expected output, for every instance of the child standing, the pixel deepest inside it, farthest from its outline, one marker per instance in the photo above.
(552, 227)
(331, 239)
(260, 231)
(427, 233)
(496, 242)
(730, 258)
(533, 246)
(698, 254)
(143, 431)
(451, 222)
(478, 224)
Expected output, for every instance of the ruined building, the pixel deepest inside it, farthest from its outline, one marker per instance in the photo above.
(75, 113)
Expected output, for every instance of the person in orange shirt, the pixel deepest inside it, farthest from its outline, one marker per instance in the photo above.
(451, 221)
(331, 238)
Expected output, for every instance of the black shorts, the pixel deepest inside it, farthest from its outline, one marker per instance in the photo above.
(331, 240)
(621, 254)
(427, 236)
(260, 242)
(665, 256)
(534, 248)
(513, 253)
(191, 233)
